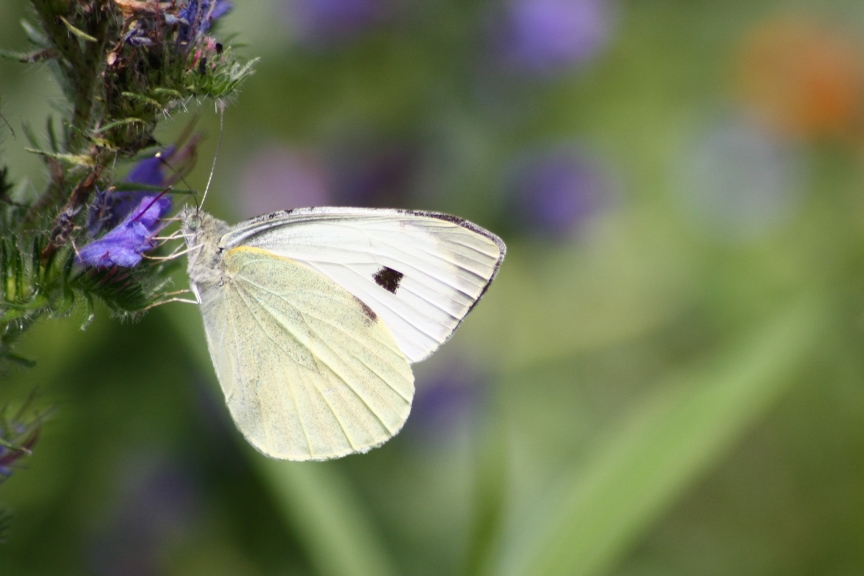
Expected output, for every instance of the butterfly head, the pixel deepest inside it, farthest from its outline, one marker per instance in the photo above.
(202, 233)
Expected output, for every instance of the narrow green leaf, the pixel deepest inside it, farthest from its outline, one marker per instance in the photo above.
(77, 32)
(34, 34)
(29, 57)
(142, 98)
(637, 473)
(77, 159)
(490, 495)
(167, 92)
(326, 515)
(116, 123)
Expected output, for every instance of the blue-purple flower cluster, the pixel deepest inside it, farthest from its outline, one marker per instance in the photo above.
(543, 37)
(191, 19)
(332, 22)
(126, 243)
(196, 17)
(554, 191)
(133, 218)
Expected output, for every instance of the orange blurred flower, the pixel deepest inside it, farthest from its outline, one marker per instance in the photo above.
(803, 78)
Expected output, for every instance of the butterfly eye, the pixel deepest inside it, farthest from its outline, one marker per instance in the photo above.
(193, 223)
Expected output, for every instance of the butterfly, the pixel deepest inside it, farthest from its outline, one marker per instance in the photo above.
(314, 316)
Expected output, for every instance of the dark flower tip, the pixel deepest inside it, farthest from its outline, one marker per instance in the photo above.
(17, 438)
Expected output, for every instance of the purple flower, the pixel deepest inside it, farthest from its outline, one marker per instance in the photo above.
(111, 207)
(323, 22)
(198, 15)
(126, 243)
(553, 192)
(447, 401)
(375, 173)
(548, 36)
(133, 217)
(193, 19)
(278, 178)
(154, 504)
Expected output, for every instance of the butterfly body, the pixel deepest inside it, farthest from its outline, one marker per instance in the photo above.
(313, 317)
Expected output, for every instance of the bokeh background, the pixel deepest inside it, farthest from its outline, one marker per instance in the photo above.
(666, 377)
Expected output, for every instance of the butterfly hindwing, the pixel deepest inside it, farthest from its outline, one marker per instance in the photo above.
(309, 371)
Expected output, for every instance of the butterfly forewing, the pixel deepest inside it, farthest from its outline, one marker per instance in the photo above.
(308, 370)
(419, 272)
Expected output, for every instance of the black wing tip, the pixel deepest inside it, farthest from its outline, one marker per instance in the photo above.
(467, 224)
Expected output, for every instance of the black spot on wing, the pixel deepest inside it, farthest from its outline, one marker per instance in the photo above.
(388, 279)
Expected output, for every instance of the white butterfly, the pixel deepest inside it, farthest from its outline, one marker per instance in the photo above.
(313, 317)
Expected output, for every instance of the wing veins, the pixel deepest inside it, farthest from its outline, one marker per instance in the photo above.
(285, 299)
(331, 368)
(290, 385)
(345, 381)
(342, 330)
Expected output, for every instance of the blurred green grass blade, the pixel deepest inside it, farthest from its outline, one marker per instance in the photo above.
(490, 494)
(317, 501)
(644, 465)
(325, 513)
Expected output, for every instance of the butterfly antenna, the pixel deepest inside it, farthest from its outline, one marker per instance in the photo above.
(216, 155)
(181, 145)
(11, 130)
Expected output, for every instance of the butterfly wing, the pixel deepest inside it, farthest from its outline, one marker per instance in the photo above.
(420, 272)
(309, 372)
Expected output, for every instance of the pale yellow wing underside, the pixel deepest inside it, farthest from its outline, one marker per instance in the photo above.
(309, 372)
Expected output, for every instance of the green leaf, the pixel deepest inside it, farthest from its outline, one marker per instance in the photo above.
(76, 159)
(77, 32)
(327, 516)
(647, 462)
(116, 123)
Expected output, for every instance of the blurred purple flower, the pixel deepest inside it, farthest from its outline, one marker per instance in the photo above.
(547, 36)
(447, 400)
(127, 242)
(741, 181)
(198, 15)
(375, 174)
(279, 178)
(327, 22)
(156, 505)
(552, 193)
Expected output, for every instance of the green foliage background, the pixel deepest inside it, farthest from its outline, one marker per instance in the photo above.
(660, 400)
